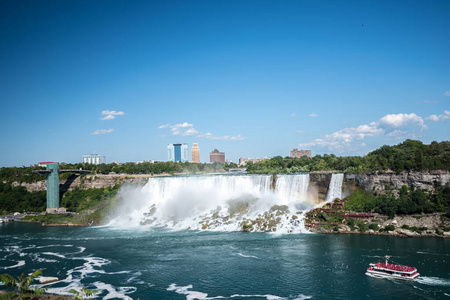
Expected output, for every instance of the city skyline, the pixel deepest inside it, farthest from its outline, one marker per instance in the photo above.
(251, 78)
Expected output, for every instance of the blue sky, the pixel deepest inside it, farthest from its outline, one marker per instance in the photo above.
(250, 78)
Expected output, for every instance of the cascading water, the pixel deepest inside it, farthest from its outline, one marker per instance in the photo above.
(219, 202)
(293, 186)
(335, 187)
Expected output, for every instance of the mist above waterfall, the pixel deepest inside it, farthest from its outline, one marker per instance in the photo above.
(219, 202)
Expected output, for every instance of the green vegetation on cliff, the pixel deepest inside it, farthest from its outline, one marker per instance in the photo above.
(24, 174)
(410, 155)
(18, 199)
(408, 201)
(91, 205)
(78, 200)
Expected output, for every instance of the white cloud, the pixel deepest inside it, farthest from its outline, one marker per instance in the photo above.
(313, 115)
(435, 118)
(111, 114)
(103, 131)
(402, 120)
(427, 101)
(183, 129)
(393, 126)
(186, 129)
(397, 134)
(237, 138)
(210, 136)
(293, 115)
(207, 135)
(300, 131)
(447, 93)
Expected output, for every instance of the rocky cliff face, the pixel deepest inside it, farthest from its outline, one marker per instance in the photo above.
(86, 182)
(379, 181)
(318, 186)
(318, 182)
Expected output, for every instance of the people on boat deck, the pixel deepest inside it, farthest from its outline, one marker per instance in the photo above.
(395, 267)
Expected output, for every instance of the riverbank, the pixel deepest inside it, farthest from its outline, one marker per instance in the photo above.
(433, 225)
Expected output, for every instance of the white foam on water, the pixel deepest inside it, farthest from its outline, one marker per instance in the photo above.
(36, 258)
(112, 292)
(268, 297)
(134, 278)
(190, 295)
(433, 281)
(54, 254)
(19, 264)
(92, 265)
(248, 256)
(48, 246)
(431, 253)
(302, 297)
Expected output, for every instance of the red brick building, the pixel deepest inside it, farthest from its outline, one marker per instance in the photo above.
(217, 156)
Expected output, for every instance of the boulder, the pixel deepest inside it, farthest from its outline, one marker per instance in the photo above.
(44, 280)
(406, 232)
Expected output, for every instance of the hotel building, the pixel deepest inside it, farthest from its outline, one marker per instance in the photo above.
(217, 156)
(195, 152)
(177, 152)
(94, 159)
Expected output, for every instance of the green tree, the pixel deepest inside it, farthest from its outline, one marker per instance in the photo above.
(20, 286)
(84, 292)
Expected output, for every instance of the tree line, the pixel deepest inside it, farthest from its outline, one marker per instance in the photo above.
(411, 155)
(25, 174)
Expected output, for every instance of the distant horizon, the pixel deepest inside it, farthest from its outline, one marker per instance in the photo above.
(249, 78)
(201, 162)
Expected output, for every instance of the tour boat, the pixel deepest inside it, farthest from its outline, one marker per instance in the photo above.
(392, 271)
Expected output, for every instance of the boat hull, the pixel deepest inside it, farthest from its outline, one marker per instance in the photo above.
(394, 276)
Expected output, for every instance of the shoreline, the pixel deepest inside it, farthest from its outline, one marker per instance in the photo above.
(397, 232)
(389, 233)
(431, 225)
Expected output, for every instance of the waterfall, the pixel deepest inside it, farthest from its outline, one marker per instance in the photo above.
(335, 187)
(293, 186)
(220, 202)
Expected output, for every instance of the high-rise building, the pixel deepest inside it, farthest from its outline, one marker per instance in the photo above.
(217, 156)
(300, 153)
(94, 159)
(177, 152)
(195, 152)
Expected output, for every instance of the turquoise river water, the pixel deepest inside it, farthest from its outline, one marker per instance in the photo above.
(187, 264)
